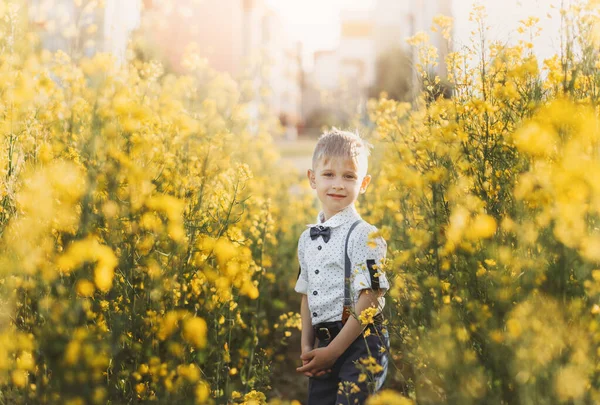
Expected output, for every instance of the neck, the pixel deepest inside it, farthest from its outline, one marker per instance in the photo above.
(328, 214)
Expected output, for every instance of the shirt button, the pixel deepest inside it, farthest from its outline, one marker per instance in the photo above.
(316, 271)
(320, 247)
(314, 314)
(315, 293)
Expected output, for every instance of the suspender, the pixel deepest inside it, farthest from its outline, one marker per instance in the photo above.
(347, 271)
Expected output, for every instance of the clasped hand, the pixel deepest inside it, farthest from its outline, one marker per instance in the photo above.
(317, 362)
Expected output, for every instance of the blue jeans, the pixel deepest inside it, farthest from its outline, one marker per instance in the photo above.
(342, 385)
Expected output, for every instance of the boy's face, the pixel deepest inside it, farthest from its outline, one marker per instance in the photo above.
(337, 182)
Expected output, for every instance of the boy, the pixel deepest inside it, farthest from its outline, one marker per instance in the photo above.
(339, 274)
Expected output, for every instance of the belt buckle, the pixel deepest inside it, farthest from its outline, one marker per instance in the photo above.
(328, 333)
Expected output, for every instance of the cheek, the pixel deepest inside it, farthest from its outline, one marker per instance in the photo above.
(322, 185)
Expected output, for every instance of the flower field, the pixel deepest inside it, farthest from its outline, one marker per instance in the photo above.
(148, 238)
(145, 232)
(490, 203)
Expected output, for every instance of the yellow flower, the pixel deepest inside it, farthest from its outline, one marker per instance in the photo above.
(255, 398)
(89, 250)
(445, 23)
(590, 248)
(514, 328)
(202, 392)
(571, 383)
(418, 39)
(25, 361)
(72, 352)
(371, 365)
(194, 331)
(366, 316)
(85, 288)
(388, 397)
(168, 325)
(482, 227)
(459, 220)
(536, 140)
(19, 378)
(191, 372)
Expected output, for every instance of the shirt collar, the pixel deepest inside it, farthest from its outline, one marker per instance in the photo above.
(346, 215)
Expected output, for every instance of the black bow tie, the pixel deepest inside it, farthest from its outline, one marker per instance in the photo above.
(324, 231)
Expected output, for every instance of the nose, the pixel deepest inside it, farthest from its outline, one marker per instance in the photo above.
(338, 187)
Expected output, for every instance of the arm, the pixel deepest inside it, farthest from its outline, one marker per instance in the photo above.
(323, 358)
(308, 334)
(307, 341)
(353, 328)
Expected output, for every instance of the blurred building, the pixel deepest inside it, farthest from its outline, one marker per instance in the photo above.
(364, 37)
(394, 21)
(325, 74)
(352, 63)
(169, 28)
(274, 60)
(244, 38)
(340, 77)
(357, 51)
(85, 28)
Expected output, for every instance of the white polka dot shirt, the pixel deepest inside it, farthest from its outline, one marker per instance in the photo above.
(321, 275)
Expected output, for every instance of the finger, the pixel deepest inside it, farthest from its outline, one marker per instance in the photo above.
(304, 368)
(310, 367)
(312, 364)
(308, 374)
(307, 356)
(308, 361)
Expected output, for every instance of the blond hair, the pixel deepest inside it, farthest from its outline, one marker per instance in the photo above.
(345, 144)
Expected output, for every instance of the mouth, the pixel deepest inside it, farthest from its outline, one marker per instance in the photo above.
(336, 196)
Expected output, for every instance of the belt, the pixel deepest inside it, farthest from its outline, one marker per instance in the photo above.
(327, 331)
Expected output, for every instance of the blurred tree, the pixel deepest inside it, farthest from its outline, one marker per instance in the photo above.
(393, 75)
(326, 117)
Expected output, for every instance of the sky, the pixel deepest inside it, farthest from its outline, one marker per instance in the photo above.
(316, 22)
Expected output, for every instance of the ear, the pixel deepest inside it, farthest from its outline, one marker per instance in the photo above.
(311, 178)
(365, 183)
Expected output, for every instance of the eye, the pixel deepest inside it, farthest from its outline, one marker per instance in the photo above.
(350, 176)
(328, 174)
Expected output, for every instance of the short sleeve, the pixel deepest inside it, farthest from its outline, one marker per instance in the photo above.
(368, 256)
(302, 282)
